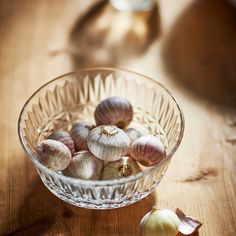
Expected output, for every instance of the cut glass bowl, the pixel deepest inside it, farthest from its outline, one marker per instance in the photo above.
(71, 97)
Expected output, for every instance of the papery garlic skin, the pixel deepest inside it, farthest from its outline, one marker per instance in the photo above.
(65, 138)
(133, 134)
(124, 167)
(148, 150)
(114, 111)
(79, 133)
(163, 222)
(84, 165)
(108, 143)
(53, 154)
(188, 224)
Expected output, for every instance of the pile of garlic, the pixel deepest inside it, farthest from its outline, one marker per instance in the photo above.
(108, 150)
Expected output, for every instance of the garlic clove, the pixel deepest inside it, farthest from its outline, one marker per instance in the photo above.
(108, 143)
(84, 165)
(114, 111)
(79, 133)
(65, 138)
(188, 225)
(148, 150)
(133, 134)
(53, 154)
(124, 167)
(162, 222)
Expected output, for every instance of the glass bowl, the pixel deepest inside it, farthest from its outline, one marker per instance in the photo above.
(71, 97)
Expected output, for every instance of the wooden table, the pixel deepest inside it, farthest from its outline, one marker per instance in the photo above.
(187, 45)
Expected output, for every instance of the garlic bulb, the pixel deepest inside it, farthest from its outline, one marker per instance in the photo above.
(124, 167)
(133, 134)
(162, 222)
(53, 154)
(84, 165)
(108, 143)
(65, 138)
(114, 111)
(148, 150)
(79, 133)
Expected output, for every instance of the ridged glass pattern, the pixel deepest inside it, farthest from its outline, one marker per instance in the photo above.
(72, 97)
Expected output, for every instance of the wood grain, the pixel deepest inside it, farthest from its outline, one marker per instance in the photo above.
(38, 43)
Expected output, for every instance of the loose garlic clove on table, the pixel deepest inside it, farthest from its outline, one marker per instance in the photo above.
(163, 222)
(53, 154)
(108, 143)
(114, 111)
(124, 167)
(84, 165)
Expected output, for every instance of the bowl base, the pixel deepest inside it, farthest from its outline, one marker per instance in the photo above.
(93, 204)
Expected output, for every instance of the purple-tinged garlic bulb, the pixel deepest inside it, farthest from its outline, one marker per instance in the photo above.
(84, 165)
(148, 150)
(124, 167)
(133, 134)
(79, 133)
(53, 154)
(65, 138)
(108, 143)
(114, 111)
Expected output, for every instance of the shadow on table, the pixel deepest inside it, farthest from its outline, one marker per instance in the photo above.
(42, 212)
(105, 36)
(200, 50)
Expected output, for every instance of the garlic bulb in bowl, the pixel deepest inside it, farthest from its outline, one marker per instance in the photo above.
(124, 167)
(65, 138)
(114, 111)
(108, 143)
(84, 165)
(133, 134)
(53, 154)
(79, 133)
(148, 150)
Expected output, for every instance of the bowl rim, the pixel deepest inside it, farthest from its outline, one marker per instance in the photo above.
(111, 182)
